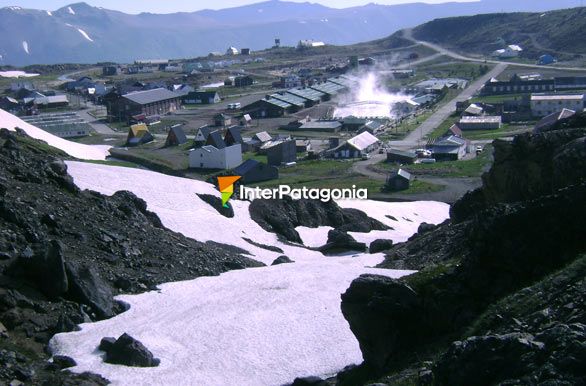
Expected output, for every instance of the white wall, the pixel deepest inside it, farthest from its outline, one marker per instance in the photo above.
(208, 157)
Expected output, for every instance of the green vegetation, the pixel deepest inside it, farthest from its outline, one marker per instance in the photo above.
(250, 155)
(125, 164)
(468, 168)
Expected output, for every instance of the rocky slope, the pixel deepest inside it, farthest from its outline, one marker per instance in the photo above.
(65, 253)
(499, 298)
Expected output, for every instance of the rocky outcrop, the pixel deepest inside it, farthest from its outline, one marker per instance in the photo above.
(283, 216)
(380, 245)
(339, 241)
(282, 260)
(128, 351)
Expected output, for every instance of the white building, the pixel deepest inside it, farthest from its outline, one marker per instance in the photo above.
(511, 51)
(309, 44)
(232, 51)
(486, 122)
(542, 105)
(210, 157)
(357, 146)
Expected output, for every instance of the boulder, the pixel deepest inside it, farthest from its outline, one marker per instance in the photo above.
(339, 241)
(128, 351)
(425, 227)
(309, 381)
(282, 260)
(63, 361)
(87, 287)
(216, 203)
(380, 245)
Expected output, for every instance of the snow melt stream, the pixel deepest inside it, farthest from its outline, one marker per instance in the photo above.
(259, 326)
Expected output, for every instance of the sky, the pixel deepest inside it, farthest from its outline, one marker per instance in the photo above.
(168, 6)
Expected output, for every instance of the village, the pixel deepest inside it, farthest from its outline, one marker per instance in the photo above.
(404, 123)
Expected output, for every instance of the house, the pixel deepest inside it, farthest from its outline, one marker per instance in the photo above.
(201, 135)
(243, 81)
(246, 120)
(330, 126)
(282, 152)
(176, 136)
(435, 85)
(330, 89)
(546, 59)
(181, 89)
(251, 171)
(351, 123)
(262, 137)
(302, 146)
(544, 104)
(551, 120)
(233, 136)
(517, 85)
(450, 148)
(473, 110)
(290, 81)
(564, 83)
(400, 156)
(109, 70)
(210, 157)
(406, 107)
(454, 130)
(139, 134)
(245, 51)
(215, 139)
(21, 85)
(357, 146)
(510, 51)
(222, 120)
(269, 108)
(307, 43)
(232, 51)
(201, 98)
(8, 103)
(54, 101)
(487, 122)
(158, 101)
(398, 180)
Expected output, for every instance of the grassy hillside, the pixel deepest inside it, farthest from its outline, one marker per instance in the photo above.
(551, 32)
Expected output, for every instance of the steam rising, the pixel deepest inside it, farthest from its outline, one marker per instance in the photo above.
(370, 99)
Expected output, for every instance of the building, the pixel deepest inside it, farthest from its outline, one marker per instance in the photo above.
(176, 136)
(435, 85)
(330, 126)
(251, 171)
(564, 83)
(330, 89)
(159, 101)
(352, 123)
(243, 81)
(290, 81)
(487, 122)
(551, 120)
(400, 156)
(8, 103)
(454, 130)
(201, 135)
(139, 134)
(233, 136)
(210, 157)
(109, 70)
(201, 98)
(311, 96)
(222, 120)
(357, 146)
(399, 180)
(308, 43)
(542, 105)
(54, 101)
(245, 51)
(269, 108)
(510, 51)
(450, 148)
(517, 85)
(302, 146)
(232, 51)
(215, 139)
(282, 152)
(473, 110)
(406, 107)
(297, 102)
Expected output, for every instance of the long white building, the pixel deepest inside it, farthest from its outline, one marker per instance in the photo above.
(546, 104)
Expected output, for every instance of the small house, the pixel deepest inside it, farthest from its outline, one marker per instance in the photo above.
(302, 146)
(222, 120)
(243, 81)
(473, 110)
(357, 146)
(282, 152)
(233, 136)
(454, 130)
(450, 148)
(201, 135)
(176, 136)
(487, 122)
(201, 98)
(215, 139)
(210, 157)
(398, 180)
(139, 134)
(551, 120)
(54, 101)
(252, 171)
(400, 156)
(546, 59)
(322, 125)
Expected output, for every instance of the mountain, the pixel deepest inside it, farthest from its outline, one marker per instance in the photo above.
(81, 33)
(536, 33)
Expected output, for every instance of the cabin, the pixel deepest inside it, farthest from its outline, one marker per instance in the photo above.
(281, 152)
(487, 122)
(450, 148)
(176, 136)
(400, 156)
(222, 120)
(210, 157)
(252, 171)
(201, 98)
(233, 136)
(398, 180)
(139, 134)
(357, 146)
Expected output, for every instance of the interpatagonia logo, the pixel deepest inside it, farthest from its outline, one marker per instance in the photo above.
(226, 187)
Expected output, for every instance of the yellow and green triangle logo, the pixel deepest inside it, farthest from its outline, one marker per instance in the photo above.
(226, 187)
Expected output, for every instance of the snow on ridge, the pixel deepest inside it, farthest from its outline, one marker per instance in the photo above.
(16, 74)
(25, 47)
(70, 10)
(77, 150)
(84, 34)
(49, 13)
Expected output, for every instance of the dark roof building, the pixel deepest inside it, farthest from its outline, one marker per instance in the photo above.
(282, 152)
(201, 135)
(176, 136)
(517, 85)
(254, 171)
(215, 139)
(233, 136)
(328, 126)
(398, 180)
(550, 120)
(157, 101)
(402, 157)
(201, 98)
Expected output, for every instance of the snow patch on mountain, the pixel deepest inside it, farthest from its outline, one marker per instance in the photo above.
(25, 47)
(84, 34)
(70, 10)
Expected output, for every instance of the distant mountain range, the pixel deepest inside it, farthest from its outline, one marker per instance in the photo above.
(538, 33)
(80, 33)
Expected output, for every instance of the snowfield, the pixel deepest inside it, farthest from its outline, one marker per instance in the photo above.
(260, 326)
(85, 35)
(98, 152)
(16, 74)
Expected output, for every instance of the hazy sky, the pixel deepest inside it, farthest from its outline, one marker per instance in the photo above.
(166, 6)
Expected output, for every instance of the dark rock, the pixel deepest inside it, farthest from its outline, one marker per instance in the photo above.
(58, 167)
(282, 260)
(309, 381)
(106, 344)
(339, 241)
(129, 352)
(123, 283)
(271, 248)
(216, 203)
(380, 245)
(63, 361)
(425, 227)
(382, 313)
(86, 286)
